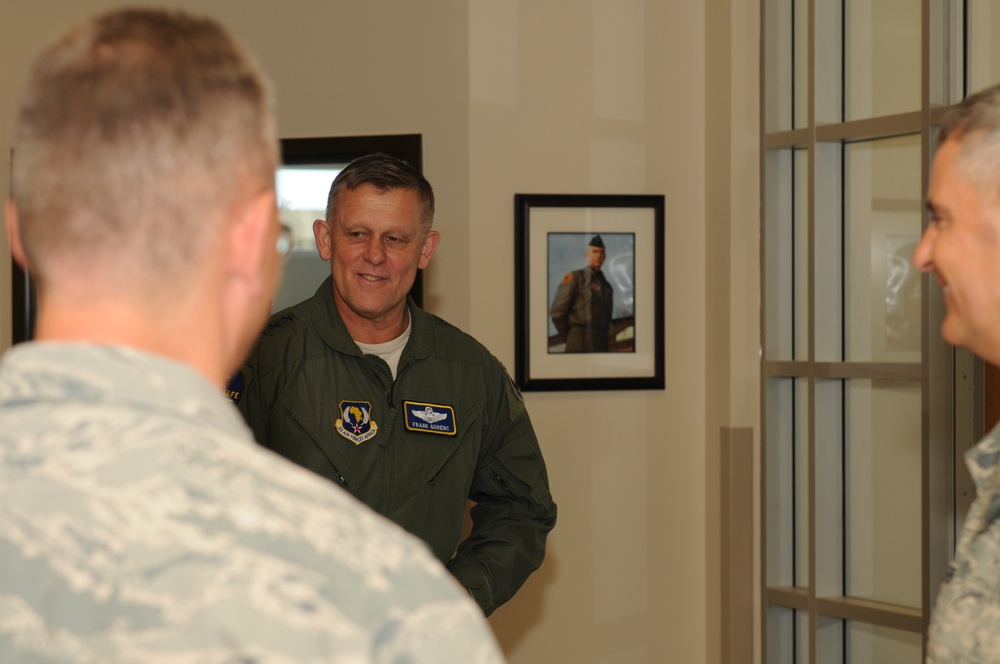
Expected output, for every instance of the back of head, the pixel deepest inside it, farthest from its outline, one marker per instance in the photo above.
(385, 173)
(138, 131)
(976, 124)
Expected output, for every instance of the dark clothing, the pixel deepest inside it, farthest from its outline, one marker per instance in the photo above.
(581, 311)
(451, 427)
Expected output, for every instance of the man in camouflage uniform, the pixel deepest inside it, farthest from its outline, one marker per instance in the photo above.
(139, 522)
(961, 247)
(581, 309)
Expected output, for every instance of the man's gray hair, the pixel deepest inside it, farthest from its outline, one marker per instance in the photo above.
(975, 123)
(385, 173)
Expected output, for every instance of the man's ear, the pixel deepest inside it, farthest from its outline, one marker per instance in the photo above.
(430, 243)
(251, 237)
(324, 241)
(14, 235)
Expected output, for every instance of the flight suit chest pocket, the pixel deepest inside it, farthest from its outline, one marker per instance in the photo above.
(437, 439)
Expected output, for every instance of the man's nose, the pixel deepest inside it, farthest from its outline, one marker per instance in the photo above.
(923, 255)
(374, 251)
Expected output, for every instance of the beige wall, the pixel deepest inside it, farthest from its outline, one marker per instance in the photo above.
(555, 96)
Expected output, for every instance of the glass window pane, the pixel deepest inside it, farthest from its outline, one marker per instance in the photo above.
(883, 208)
(828, 64)
(882, 57)
(869, 644)
(779, 267)
(800, 62)
(947, 50)
(983, 48)
(828, 258)
(301, 200)
(778, 51)
(829, 640)
(781, 635)
(780, 478)
(779, 471)
(787, 482)
(829, 486)
(800, 481)
(788, 634)
(883, 491)
(787, 268)
(800, 255)
(802, 640)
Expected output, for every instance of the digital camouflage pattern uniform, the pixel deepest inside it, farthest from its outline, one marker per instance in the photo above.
(140, 523)
(450, 428)
(965, 625)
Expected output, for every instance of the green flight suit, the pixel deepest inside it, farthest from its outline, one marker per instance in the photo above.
(581, 311)
(312, 396)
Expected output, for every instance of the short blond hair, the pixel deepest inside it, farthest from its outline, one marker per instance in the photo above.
(137, 131)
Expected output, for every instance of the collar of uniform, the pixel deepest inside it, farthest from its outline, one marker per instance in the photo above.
(421, 333)
(327, 322)
(981, 460)
(330, 326)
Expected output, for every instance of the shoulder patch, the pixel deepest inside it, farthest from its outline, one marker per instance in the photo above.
(513, 386)
(515, 400)
(568, 278)
(234, 388)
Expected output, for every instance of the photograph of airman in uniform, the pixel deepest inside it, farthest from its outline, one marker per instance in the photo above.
(592, 308)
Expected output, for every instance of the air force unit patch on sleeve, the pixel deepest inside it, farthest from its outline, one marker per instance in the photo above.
(356, 424)
(234, 388)
(429, 417)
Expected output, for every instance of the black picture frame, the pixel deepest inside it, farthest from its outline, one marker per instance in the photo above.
(294, 152)
(552, 235)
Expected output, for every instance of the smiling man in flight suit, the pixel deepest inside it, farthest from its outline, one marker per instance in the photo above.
(408, 413)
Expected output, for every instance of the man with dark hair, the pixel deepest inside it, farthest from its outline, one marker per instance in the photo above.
(139, 521)
(403, 410)
(582, 307)
(961, 248)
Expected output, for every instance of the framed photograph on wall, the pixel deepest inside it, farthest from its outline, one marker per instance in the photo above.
(588, 291)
